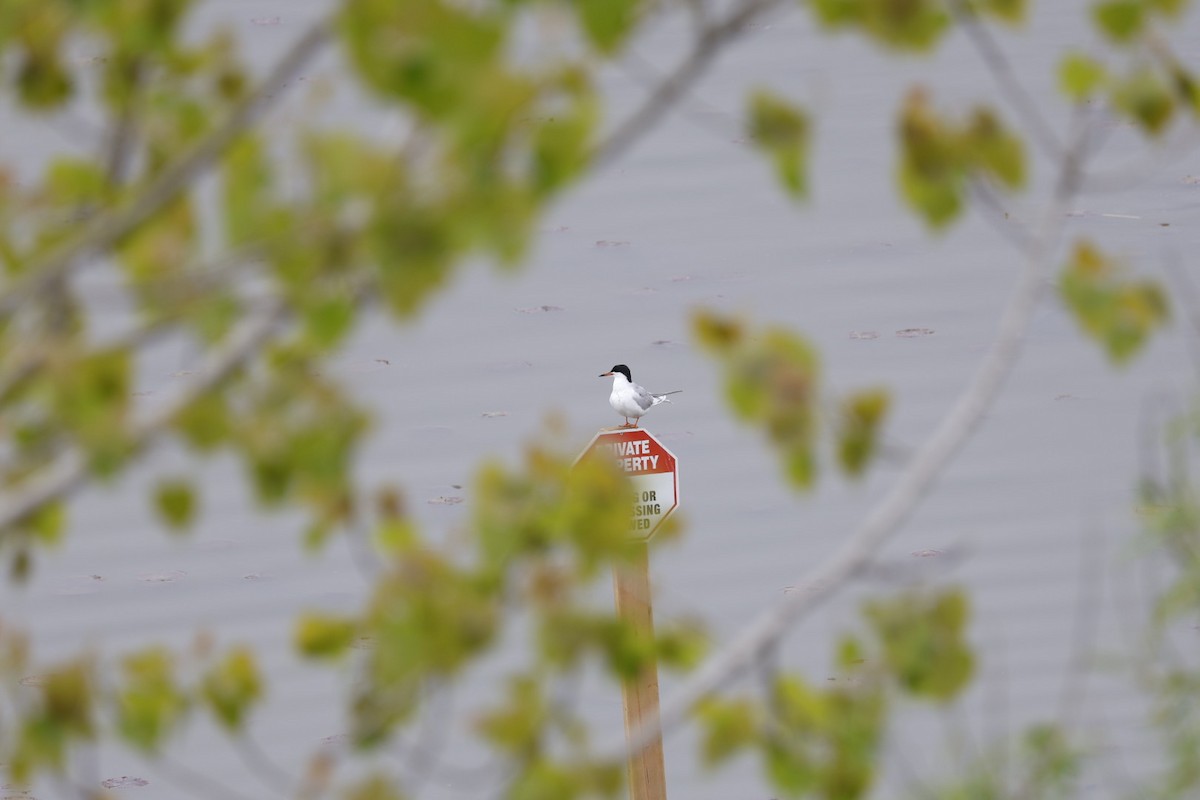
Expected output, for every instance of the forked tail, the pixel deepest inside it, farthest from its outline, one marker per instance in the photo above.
(662, 398)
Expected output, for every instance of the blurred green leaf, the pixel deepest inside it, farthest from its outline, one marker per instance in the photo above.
(789, 767)
(1168, 8)
(607, 23)
(922, 637)
(1010, 11)
(175, 500)
(43, 81)
(1186, 87)
(63, 710)
(149, 703)
(232, 686)
(781, 130)
(931, 176)
(862, 416)
(937, 157)
(1079, 76)
(247, 184)
(1146, 98)
(204, 423)
(325, 636)
(1052, 762)
(729, 726)
(328, 319)
(1118, 313)
(1120, 20)
(376, 787)
(772, 380)
(517, 727)
(681, 646)
(990, 148)
(48, 523)
(912, 25)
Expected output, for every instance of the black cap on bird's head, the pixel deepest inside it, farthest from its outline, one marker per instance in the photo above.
(621, 368)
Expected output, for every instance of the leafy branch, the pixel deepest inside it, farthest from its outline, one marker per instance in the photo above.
(105, 230)
(916, 479)
(70, 470)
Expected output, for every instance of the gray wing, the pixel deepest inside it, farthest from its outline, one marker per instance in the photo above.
(643, 398)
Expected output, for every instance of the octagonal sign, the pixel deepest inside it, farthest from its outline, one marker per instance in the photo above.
(652, 471)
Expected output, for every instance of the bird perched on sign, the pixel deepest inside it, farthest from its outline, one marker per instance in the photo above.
(629, 399)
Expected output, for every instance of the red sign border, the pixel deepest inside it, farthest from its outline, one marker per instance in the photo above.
(674, 473)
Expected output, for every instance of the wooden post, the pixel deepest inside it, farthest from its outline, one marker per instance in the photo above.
(647, 779)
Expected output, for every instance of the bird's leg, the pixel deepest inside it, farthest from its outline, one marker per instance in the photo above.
(635, 422)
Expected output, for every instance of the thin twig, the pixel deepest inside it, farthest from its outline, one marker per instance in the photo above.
(1071, 701)
(105, 230)
(1005, 76)
(122, 136)
(1137, 171)
(68, 472)
(914, 482)
(689, 107)
(262, 765)
(194, 781)
(998, 217)
(705, 49)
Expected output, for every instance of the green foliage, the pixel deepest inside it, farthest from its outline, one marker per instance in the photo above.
(232, 686)
(150, 704)
(923, 644)
(175, 501)
(376, 787)
(907, 25)
(1120, 20)
(813, 742)
(62, 713)
(540, 536)
(729, 726)
(1053, 763)
(773, 380)
(324, 224)
(517, 726)
(1010, 11)
(48, 523)
(607, 23)
(938, 158)
(324, 635)
(247, 181)
(1080, 76)
(1041, 763)
(862, 417)
(1176, 715)
(551, 504)
(1152, 92)
(1118, 313)
(781, 131)
(1147, 98)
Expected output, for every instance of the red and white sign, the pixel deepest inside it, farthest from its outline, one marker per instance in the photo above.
(651, 469)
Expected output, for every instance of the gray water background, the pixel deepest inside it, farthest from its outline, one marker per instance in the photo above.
(1035, 517)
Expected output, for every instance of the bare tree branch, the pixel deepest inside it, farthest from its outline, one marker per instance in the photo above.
(995, 213)
(704, 51)
(105, 230)
(1137, 171)
(1005, 76)
(918, 477)
(121, 137)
